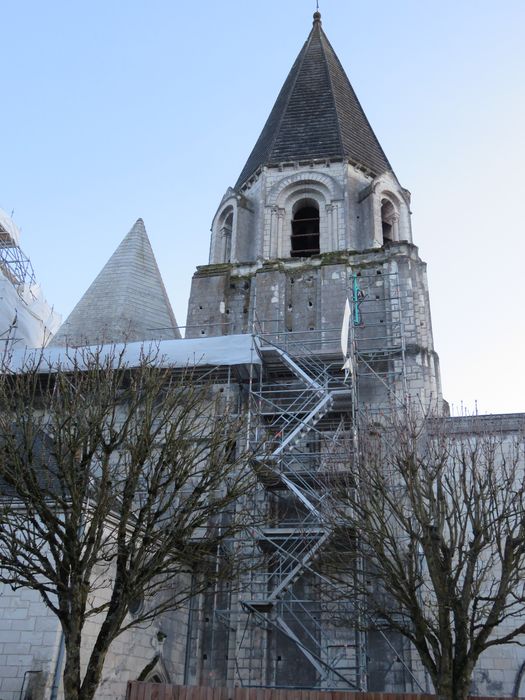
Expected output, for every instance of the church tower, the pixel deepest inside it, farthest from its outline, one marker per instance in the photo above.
(312, 253)
(317, 216)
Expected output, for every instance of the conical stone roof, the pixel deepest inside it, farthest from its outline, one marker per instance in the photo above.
(317, 115)
(127, 302)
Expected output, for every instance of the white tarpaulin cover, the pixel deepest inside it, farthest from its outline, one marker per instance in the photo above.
(224, 350)
(345, 329)
(26, 319)
(7, 225)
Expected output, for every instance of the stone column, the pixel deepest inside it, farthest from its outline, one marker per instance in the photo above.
(226, 238)
(394, 222)
(327, 243)
(279, 247)
(270, 225)
(339, 235)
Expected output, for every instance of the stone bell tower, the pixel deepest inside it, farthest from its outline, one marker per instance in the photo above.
(318, 216)
(314, 237)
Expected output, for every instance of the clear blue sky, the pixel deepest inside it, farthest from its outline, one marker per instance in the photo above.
(117, 109)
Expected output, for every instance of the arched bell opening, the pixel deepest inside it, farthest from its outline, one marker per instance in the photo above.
(389, 221)
(226, 233)
(305, 229)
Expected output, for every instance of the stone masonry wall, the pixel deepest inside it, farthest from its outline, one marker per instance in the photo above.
(30, 638)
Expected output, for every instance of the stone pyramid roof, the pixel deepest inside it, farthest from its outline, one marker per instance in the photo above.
(317, 115)
(127, 302)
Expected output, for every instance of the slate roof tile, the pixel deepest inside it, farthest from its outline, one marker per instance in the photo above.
(316, 115)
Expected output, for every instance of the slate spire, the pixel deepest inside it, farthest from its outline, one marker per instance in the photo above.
(316, 116)
(126, 302)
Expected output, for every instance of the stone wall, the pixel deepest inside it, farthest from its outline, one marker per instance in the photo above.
(30, 638)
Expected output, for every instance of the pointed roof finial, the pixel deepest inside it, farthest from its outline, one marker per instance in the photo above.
(317, 14)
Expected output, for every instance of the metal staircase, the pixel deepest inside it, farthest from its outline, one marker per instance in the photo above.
(304, 418)
(295, 402)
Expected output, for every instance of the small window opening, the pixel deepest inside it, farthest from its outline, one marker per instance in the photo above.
(227, 232)
(305, 231)
(387, 220)
(226, 235)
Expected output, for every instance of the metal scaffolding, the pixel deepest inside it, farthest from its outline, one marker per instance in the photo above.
(304, 416)
(14, 263)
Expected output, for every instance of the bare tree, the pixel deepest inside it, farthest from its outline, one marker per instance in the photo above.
(116, 483)
(438, 519)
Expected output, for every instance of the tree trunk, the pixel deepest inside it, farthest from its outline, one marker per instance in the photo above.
(462, 689)
(71, 675)
(445, 687)
(463, 679)
(93, 676)
(449, 687)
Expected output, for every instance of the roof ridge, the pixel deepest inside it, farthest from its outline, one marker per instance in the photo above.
(134, 232)
(146, 241)
(322, 36)
(300, 58)
(299, 63)
(356, 98)
(150, 255)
